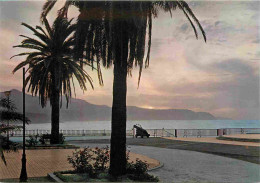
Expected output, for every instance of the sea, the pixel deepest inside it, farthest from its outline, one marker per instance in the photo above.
(151, 124)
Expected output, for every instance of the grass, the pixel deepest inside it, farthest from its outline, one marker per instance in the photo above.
(31, 179)
(238, 139)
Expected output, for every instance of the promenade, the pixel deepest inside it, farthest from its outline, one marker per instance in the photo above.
(189, 166)
(44, 161)
(181, 162)
(215, 140)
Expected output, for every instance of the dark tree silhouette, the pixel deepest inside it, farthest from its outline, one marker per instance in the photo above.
(51, 67)
(8, 113)
(114, 33)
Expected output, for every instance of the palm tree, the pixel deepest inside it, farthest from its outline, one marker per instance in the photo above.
(115, 33)
(51, 67)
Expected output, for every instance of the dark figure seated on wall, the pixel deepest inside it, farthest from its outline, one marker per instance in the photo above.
(141, 132)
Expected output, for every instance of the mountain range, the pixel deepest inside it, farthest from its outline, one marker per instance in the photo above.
(81, 110)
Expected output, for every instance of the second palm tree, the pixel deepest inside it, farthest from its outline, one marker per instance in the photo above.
(51, 67)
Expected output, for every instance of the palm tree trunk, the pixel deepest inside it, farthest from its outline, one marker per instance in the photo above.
(118, 134)
(55, 117)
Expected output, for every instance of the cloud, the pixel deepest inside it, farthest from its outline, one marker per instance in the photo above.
(216, 77)
(233, 66)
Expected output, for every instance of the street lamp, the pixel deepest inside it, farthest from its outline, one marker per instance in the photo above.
(23, 176)
(7, 94)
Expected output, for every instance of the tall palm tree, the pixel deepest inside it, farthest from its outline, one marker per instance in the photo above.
(51, 67)
(114, 33)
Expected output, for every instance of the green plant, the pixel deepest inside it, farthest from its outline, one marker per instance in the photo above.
(61, 138)
(138, 171)
(42, 140)
(7, 145)
(101, 158)
(44, 137)
(81, 161)
(137, 168)
(92, 161)
(8, 113)
(145, 177)
(32, 141)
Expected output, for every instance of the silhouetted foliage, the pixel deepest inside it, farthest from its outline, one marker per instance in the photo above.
(114, 32)
(51, 67)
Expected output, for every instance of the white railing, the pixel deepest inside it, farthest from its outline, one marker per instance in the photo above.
(152, 132)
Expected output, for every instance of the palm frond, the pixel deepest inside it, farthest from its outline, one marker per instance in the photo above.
(52, 63)
(46, 8)
(186, 7)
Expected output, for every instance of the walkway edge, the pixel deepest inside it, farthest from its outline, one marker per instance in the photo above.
(54, 177)
(57, 179)
(157, 167)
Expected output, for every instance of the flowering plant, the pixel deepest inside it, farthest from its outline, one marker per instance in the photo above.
(101, 158)
(90, 160)
(81, 159)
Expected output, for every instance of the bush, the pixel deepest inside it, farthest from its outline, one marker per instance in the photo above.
(101, 158)
(92, 161)
(80, 160)
(143, 177)
(137, 168)
(8, 145)
(138, 171)
(44, 137)
(61, 138)
(33, 141)
(95, 163)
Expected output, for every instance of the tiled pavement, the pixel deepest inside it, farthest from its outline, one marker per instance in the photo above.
(44, 161)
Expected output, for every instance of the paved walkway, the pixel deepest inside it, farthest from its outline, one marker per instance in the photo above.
(213, 140)
(44, 161)
(244, 136)
(190, 166)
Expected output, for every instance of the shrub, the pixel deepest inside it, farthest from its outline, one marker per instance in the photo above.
(33, 141)
(101, 158)
(92, 161)
(44, 137)
(138, 171)
(143, 177)
(95, 162)
(61, 138)
(81, 160)
(8, 145)
(137, 168)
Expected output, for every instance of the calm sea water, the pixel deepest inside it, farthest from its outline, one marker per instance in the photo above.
(153, 124)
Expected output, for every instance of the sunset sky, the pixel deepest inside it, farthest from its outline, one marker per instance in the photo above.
(220, 76)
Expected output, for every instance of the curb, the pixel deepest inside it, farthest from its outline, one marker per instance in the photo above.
(157, 167)
(54, 177)
(57, 179)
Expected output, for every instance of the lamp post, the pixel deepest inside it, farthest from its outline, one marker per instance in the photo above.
(7, 94)
(23, 176)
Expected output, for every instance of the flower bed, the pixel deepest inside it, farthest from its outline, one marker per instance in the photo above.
(91, 165)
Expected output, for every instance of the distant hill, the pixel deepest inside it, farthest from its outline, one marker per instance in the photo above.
(80, 110)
